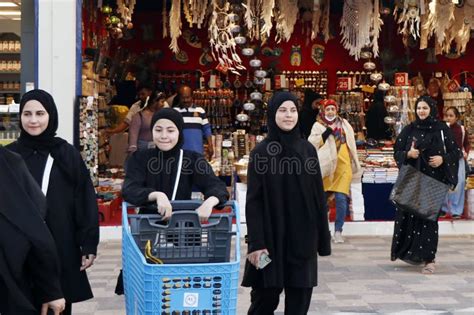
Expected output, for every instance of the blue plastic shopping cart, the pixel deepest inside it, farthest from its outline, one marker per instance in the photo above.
(199, 275)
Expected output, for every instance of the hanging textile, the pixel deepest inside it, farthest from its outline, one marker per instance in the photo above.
(221, 39)
(175, 25)
(287, 14)
(357, 26)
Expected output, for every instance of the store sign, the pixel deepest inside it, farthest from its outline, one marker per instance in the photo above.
(344, 84)
(401, 79)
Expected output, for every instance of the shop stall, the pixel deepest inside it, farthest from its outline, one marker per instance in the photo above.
(236, 54)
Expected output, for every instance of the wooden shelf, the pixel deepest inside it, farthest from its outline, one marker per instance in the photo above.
(9, 91)
(10, 72)
(9, 52)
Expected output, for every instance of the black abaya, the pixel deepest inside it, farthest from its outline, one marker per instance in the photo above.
(29, 265)
(416, 240)
(286, 210)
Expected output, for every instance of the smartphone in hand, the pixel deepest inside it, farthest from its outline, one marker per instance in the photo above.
(263, 261)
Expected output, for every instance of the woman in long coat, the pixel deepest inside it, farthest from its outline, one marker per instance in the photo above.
(72, 213)
(286, 214)
(429, 143)
(29, 265)
(334, 139)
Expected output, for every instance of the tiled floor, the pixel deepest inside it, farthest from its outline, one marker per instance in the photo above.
(358, 278)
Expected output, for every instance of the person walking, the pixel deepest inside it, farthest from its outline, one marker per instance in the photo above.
(72, 212)
(309, 112)
(144, 94)
(286, 214)
(334, 139)
(455, 200)
(29, 265)
(429, 145)
(139, 136)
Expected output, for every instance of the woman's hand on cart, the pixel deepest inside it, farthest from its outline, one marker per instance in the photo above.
(254, 257)
(205, 209)
(162, 204)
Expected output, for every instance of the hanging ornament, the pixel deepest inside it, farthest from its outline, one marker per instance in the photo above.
(106, 9)
(266, 16)
(317, 53)
(360, 26)
(295, 57)
(175, 25)
(164, 18)
(286, 19)
(195, 12)
(221, 38)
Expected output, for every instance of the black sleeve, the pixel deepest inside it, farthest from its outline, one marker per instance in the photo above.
(42, 260)
(324, 235)
(451, 157)
(254, 207)
(86, 213)
(400, 151)
(134, 189)
(326, 133)
(207, 182)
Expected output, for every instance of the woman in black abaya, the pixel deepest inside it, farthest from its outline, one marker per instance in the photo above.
(309, 112)
(29, 266)
(415, 240)
(374, 119)
(286, 214)
(72, 213)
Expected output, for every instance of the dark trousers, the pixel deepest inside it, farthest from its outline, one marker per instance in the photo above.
(265, 301)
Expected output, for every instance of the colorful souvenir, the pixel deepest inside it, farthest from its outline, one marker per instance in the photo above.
(295, 57)
(317, 53)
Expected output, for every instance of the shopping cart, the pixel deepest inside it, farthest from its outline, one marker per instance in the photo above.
(199, 274)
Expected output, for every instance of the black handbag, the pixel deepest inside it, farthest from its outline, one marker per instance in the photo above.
(417, 193)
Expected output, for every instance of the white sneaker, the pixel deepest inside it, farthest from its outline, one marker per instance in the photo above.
(338, 237)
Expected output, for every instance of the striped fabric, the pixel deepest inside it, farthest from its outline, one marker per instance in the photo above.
(196, 128)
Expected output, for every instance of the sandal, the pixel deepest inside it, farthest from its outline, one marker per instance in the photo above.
(428, 269)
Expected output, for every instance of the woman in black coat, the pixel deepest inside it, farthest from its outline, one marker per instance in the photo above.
(154, 175)
(286, 214)
(29, 265)
(415, 240)
(309, 112)
(374, 119)
(72, 215)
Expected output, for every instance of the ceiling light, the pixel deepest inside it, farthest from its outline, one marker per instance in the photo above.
(8, 5)
(16, 19)
(10, 12)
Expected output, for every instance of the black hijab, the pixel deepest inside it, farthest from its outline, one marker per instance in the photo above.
(46, 140)
(168, 160)
(430, 122)
(64, 155)
(308, 115)
(290, 140)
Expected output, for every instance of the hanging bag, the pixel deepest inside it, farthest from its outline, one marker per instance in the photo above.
(417, 193)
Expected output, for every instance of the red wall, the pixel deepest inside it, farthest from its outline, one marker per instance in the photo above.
(336, 57)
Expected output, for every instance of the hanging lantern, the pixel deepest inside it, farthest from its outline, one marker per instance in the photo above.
(376, 76)
(247, 51)
(130, 25)
(114, 19)
(369, 65)
(390, 98)
(106, 9)
(384, 86)
(240, 40)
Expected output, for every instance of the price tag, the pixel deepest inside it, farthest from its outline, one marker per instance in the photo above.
(343, 84)
(401, 79)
